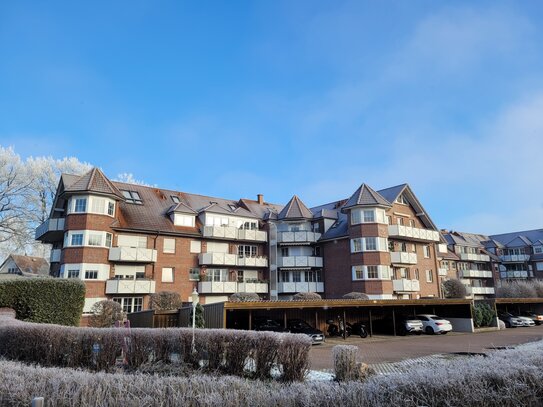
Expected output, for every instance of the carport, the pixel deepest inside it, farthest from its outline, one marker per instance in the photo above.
(240, 315)
(518, 305)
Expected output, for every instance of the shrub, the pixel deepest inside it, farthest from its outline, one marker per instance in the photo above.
(483, 314)
(538, 287)
(166, 301)
(105, 313)
(345, 359)
(306, 297)
(454, 288)
(516, 289)
(356, 296)
(243, 297)
(54, 301)
(200, 322)
(293, 357)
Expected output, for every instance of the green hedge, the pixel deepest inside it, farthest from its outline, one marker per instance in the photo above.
(52, 301)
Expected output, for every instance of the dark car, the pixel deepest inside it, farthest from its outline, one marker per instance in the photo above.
(534, 316)
(299, 326)
(266, 324)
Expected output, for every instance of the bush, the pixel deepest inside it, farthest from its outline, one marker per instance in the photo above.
(306, 297)
(53, 301)
(166, 301)
(244, 297)
(356, 296)
(454, 288)
(538, 287)
(200, 322)
(105, 313)
(217, 350)
(483, 314)
(516, 289)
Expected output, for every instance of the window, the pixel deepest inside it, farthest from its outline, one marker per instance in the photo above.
(427, 251)
(311, 276)
(73, 273)
(316, 227)
(284, 277)
(132, 241)
(80, 205)
(247, 251)
(169, 245)
(130, 304)
(356, 217)
(538, 249)
(389, 220)
(402, 200)
(429, 276)
(132, 197)
(91, 274)
(371, 243)
(194, 274)
(416, 276)
(240, 276)
(412, 223)
(175, 199)
(195, 246)
(402, 272)
(110, 208)
(369, 216)
(400, 221)
(539, 266)
(358, 272)
(356, 245)
(77, 239)
(317, 251)
(167, 274)
(403, 247)
(95, 239)
(98, 205)
(184, 220)
(284, 252)
(296, 276)
(12, 270)
(109, 238)
(373, 272)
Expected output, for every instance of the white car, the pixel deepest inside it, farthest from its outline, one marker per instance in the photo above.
(435, 325)
(526, 321)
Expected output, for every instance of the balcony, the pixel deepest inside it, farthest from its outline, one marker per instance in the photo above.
(231, 287)
(405, 285)
(514, 274)
(218, 259)
(55, 255)
(475, 274)
(252, 261)
(473, 257)
(301, 287)
(403, 258)
(135, 286)
(300, 261)
(233, 233)
(132, 254)
(411, 233)
(303, 237)
(482, 290)
(515, 258)
(259, 288)
(50, 230)
(441, 272)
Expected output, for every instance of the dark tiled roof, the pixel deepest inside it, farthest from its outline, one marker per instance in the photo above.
(365, 196)
(181, 208)
(31, 265)
(93, 181)
(449, 255)
(532, 235)
(295, 209)
(392, 193)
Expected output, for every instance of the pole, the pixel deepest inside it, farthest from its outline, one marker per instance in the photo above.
(344, 326)
(394, 321)
(193, 347)
(38, 402)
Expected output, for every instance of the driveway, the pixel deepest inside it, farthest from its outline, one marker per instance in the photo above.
(381, 349)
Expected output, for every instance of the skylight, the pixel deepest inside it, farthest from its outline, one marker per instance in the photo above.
(132, 197)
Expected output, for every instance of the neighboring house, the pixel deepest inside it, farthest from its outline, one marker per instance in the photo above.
(27, 266)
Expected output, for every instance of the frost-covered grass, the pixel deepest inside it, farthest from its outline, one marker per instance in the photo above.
(504, 378)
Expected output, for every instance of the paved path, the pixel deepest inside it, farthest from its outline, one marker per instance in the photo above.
(380, 349)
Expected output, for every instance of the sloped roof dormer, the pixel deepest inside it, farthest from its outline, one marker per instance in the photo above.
(365, 196)
(93, 181)
(295, 209)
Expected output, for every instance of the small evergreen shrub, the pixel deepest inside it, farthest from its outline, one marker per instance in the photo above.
(166, 301)
(244, 297)
(356, 296)
(44, 300)
(483, 314)
(306, 297)
(200, 322)
(454, 288)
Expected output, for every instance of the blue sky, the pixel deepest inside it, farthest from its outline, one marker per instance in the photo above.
(311, 98)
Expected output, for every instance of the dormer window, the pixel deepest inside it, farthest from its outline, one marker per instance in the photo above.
(402, 200)
(175, 199)
(538, 249)
(132, 197)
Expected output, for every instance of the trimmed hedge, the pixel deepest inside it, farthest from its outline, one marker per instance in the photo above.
(52, 301)
(240, 353)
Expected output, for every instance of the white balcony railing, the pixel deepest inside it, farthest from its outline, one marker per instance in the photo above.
(403, 258)
(132, 286)
(259, 288)
(515, 257)
(475, 274)
(514, 274)
(300, 261)
(411, 233)
(233, 233)
(302, 287)
(227, 259)
(442, 272)
(132, 254)
(50, 225)
(473, 257)
(482, 290)
(405, 285)
(298, 237)
(55, 255)
(230, 287)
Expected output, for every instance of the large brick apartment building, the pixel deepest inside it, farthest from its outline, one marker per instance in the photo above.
(128, 241)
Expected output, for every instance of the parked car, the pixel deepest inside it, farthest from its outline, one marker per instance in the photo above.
(525, 320)
(534, 316)
(510, 320)
(409, 325)
(299, 326)
(434, 325)
(267, 324)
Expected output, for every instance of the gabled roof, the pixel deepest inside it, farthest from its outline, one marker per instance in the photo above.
(392, 193)
(29, 264)
(519, 241)
(295, 209)
(531, 235)
(228, 209)
(92, 181)
(180, 207)
(365, 196)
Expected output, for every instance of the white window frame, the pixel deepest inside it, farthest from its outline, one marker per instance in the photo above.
(429, 276)
(168, 245)
(195, 246)
(168, 274)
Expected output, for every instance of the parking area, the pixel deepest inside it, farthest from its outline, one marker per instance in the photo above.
(380, 349)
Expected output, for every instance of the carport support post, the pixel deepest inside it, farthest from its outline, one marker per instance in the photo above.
(250, 319)
(394, 321)
(371, 325)
(344, 326)
(285, 318)
(317, 319)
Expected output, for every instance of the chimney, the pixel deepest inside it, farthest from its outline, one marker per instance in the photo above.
(260, 199)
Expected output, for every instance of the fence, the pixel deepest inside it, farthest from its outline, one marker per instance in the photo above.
(213, 317)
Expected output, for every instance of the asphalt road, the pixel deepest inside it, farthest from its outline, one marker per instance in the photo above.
(381, 349)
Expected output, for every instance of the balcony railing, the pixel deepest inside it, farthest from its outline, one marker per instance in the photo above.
(298, 237)
(55, 255)
(50, 226)
(442, 272)
(227, 259)
(515, 257)
(132, 254)
(130, 286)
(475, 274)
(302, 287)
(405, 285)
(403, 258)
(230, 287)
(482, 290)
(300, 261)
(514, 274)
(233, 233)
(411, 233)
(473, 257)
